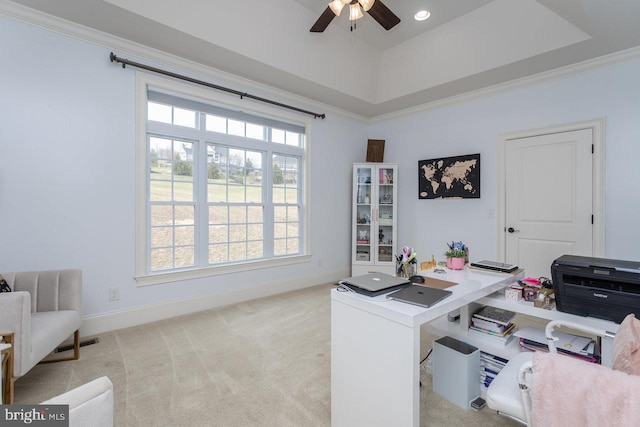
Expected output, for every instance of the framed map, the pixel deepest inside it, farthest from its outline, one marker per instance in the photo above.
(449, 178)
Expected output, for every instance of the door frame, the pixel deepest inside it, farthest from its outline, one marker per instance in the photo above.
(597, 127)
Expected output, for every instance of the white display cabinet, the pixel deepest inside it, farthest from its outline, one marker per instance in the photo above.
(374, 218)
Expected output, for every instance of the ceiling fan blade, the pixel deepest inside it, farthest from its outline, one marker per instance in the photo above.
(383, 15)
(323, 22)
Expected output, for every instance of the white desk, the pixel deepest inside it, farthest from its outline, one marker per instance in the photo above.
(375, 350)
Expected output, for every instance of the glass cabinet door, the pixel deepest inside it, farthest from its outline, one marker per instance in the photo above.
(364, 213)
(385, 212)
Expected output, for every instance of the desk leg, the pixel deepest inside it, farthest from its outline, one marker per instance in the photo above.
(375, 370)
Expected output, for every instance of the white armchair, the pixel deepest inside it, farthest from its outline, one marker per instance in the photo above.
(90, 405)
(43, 310)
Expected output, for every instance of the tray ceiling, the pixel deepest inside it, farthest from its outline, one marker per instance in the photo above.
(465, 46)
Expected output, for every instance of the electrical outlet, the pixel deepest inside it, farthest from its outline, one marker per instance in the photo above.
(114, 294)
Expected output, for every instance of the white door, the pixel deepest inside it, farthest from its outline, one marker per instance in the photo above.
(549, 199)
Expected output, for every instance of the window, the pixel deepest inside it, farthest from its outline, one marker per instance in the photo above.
(224, 188)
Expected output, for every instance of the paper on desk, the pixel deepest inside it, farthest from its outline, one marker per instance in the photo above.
(568, 342)
(437, 283)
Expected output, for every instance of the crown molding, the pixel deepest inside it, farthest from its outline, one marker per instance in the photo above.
(544, 77)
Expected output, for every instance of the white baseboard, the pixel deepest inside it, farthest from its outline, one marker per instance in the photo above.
(101, 323)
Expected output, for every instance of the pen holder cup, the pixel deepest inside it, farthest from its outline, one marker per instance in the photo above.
(406, 269)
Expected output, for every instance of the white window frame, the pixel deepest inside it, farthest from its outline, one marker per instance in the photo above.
(144, 277)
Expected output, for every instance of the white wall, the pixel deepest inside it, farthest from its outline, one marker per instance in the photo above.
(473, 127)
(67, 173)
(67, 178)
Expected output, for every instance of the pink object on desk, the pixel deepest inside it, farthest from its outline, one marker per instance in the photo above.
(455, 263)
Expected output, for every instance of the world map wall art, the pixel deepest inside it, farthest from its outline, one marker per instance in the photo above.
(449, 178)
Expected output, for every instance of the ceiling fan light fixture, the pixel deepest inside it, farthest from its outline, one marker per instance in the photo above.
(366, 4)
(355, 12)
(336, 6)
(375, 8)
(422, 15)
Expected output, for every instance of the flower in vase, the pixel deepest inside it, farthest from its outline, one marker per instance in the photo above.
(457, 250)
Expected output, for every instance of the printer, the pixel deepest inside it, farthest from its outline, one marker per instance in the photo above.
(604, 288)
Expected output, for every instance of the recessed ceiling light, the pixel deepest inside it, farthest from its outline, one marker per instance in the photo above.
(422, 15)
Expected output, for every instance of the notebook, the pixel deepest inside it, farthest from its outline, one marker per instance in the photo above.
(494, 265)
(420, 295)
(373, 284)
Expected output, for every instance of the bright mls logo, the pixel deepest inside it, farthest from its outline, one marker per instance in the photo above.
(36, 415)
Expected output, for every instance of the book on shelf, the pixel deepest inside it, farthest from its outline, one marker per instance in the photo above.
(485, 380)
(510, 329)
(590, 353)
(535, 346)
(488, 325)
(565, 341)
(495, 339)
(493, 358)
(490, 367)
(494, 314)
(584, 348)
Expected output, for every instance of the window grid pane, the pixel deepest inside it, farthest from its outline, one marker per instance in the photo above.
(216, 124)
(235, 233)
(182, 117)
(286, 205)
(159, 112)
(172, 244)
(232, 186)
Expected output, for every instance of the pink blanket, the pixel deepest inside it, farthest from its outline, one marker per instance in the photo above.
(568, 392)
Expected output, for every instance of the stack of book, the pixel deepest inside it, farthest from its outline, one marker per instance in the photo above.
(493, 324)
(579, 347)
(490, 366)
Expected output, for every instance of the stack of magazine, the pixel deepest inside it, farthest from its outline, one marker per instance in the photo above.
(493, 324)
(490, 366)
(584, 348)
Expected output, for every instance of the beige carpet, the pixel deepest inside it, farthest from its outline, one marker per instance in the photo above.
(261, 363)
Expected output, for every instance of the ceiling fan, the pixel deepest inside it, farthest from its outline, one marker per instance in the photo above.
(375, 8)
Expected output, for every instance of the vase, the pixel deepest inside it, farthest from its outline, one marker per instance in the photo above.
(455, 263)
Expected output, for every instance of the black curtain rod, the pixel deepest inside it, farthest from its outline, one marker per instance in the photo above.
(125, 62)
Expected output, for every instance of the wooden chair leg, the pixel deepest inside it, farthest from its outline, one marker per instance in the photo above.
(76, 350)
(76, 345)
(8, 391)
(7, 370)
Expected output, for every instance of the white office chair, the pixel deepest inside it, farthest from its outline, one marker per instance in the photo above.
(509, 392)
